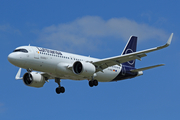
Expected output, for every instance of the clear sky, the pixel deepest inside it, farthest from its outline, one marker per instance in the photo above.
(99, 29)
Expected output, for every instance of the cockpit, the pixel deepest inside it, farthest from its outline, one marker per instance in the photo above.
(21, 50)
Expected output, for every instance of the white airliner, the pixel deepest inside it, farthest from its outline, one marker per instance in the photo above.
(58, 65)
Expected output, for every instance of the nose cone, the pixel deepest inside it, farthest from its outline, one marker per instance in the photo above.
(16, 59)
(11, 58)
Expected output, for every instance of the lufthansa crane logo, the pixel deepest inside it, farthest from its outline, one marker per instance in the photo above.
(127, 52)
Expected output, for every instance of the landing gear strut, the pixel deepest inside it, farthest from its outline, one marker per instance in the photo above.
(59, 89)
(29, 70)
(93, 83)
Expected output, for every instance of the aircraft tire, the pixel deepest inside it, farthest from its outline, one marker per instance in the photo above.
(95, 82)
(58, 91)
(62, 89)
(91, 83)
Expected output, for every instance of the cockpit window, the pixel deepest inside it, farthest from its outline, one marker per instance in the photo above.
(21, 50)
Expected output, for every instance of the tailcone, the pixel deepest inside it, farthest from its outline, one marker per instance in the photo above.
(140, 73)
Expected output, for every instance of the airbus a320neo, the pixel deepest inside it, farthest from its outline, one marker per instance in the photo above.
(58, 65)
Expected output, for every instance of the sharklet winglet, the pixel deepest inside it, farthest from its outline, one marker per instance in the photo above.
(18, 75)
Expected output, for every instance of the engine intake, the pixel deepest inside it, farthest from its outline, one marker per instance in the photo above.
(33, 79)
(84, 69)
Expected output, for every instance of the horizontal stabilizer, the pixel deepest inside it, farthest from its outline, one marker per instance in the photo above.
(18, 75)
(146, 68)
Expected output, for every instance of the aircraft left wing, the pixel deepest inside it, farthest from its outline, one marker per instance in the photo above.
(45, 75)
(117, 60)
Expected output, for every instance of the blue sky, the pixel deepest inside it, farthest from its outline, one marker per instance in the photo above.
(100, 29)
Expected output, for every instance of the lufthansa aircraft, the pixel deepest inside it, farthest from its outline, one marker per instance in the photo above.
(58, 65)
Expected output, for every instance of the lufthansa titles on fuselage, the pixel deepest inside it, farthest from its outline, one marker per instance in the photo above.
(44, 50)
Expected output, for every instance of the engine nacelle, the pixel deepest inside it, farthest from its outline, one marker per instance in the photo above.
(84, 69)
(33, 79)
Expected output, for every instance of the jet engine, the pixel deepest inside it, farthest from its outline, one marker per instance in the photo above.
(84, 69)
(33, 79)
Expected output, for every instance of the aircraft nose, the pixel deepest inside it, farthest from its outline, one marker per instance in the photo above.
(16, 59)
(11, 58)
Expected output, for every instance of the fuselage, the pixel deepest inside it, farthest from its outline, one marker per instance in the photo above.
(58, 64)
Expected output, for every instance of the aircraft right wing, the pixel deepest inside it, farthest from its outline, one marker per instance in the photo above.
(117, 60)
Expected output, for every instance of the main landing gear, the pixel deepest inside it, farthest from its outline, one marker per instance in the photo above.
(59, 89)
(93, 83)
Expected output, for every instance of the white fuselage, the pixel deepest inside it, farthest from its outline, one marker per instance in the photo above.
(58, 64)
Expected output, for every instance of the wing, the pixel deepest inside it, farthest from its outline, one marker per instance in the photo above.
(117, 60)
(47, 76)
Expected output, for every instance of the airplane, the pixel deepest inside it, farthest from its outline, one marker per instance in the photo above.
(57, 65)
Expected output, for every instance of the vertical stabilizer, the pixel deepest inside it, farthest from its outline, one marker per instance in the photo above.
(129, 48)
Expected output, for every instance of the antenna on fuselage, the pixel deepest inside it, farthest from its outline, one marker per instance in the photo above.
(29, 45)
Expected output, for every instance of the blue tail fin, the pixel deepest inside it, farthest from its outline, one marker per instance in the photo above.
(130, 47)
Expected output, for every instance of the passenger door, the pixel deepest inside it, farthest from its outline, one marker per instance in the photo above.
(36, 52)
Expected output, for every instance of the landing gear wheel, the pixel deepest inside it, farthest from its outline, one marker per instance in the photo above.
(91, 83)
(60, 90)
(95, 82)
